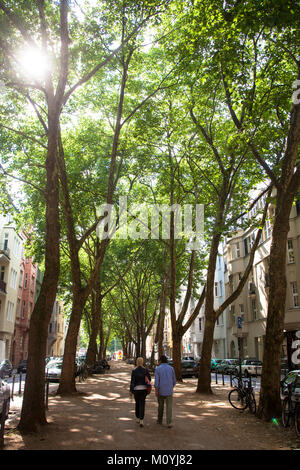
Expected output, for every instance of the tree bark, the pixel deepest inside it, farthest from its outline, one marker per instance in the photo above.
(270, 403)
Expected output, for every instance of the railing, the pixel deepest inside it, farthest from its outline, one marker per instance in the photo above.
(5, 252)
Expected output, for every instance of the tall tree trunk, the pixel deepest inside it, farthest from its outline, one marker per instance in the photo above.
(204, 378)
(67, 380)
(176, 339)
(95, 328)
(270, 403)
(33, 408)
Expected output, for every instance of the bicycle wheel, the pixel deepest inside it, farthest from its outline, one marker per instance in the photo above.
(237, 399)
(297, 420)
(286, 412)
(251, 403)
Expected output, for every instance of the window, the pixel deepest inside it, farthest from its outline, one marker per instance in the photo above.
(268, 229)
(252, 239)
(200, 324)
(232, 313)
(238, 251)
(290, 246)
(295, 294)
(16, 247)
(220, 287)
(246, 246)
(10, 311)
(23, 309)
(2, 272)
(21, 278)
(26, 281)
(254, 309)
(216, 289)
(242, 311)
(13, 278)
(5, 242)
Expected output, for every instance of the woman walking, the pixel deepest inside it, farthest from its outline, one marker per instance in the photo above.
(138, 388)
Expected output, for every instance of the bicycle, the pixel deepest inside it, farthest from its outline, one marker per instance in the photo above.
(291, 409)
(242, 395)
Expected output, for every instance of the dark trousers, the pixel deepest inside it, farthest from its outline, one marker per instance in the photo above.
(169, 400)
(140, 400)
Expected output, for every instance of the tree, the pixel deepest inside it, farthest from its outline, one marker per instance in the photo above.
(48, 98)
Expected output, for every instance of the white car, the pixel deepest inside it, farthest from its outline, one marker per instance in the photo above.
(53, 370)
(251, 367)
(4, 398)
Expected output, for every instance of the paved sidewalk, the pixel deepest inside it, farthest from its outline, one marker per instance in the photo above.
(101, 417)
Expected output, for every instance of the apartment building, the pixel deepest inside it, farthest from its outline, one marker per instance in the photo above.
(243, 324)
(11, 254)
(247, 316)
(56, 331)
(25, 304)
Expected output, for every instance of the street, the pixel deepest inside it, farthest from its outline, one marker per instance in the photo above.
(101, 417)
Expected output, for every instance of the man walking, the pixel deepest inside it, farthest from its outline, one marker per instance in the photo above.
(165, 380)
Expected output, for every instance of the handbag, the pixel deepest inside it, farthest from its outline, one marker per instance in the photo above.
(148, 384)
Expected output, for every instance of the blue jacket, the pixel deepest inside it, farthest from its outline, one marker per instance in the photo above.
(165, 379)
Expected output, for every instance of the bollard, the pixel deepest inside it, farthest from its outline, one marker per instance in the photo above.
(47, 393)
(20, 385)
(216, 377)
(223, 377)
(231, 378)
(13, 386)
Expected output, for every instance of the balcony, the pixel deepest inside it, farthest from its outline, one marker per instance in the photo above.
(3, 287)
(5, 256)
(241, 332)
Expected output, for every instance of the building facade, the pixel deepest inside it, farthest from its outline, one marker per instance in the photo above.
(56, 331)
(11, 254)
(25, 304)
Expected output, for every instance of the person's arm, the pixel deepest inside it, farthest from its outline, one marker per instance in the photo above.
(148, 374)
(131, 383)
(156, 383)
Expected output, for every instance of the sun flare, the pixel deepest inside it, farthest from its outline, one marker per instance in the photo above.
(34, 63)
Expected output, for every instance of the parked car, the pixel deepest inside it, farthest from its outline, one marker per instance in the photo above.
(4, 398)
(187, 358)
(292, 378)
(251, 367)
(188, 368)
(6, 368)
(53, 370)
(214, 363)
(227, 366)
(22, 367)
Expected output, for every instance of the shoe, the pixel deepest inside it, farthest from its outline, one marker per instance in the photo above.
(141, 423)
(170, 425)
(138, 421)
